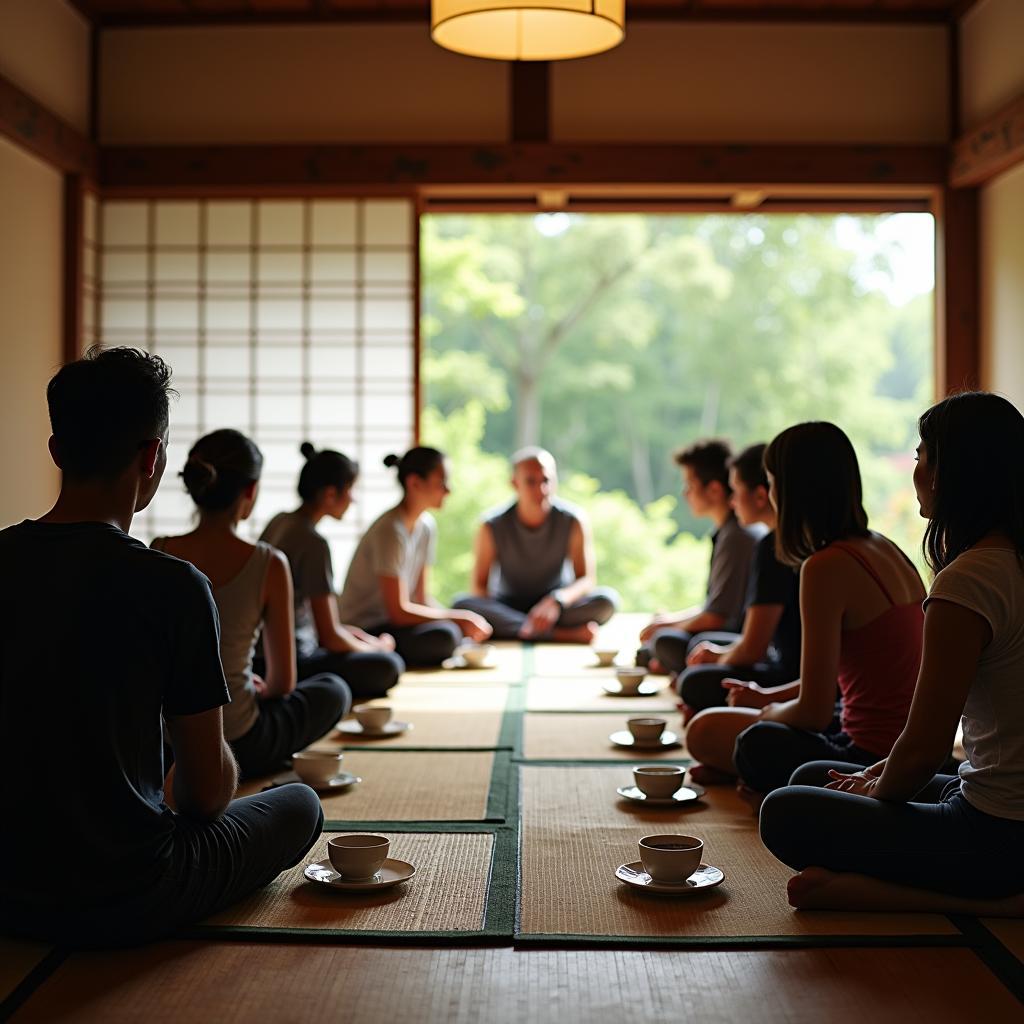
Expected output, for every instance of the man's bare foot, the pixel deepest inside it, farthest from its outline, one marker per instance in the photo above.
(817, 888)
(705, 775)
(585, 634)
(655, 668)
(750, 796)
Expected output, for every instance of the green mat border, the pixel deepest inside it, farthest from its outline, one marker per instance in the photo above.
(33, 980)
(997, 957)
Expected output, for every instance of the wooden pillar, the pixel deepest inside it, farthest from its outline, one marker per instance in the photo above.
(957, 292)
(74, 249)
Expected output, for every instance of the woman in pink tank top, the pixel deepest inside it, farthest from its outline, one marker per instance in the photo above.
(860, 610)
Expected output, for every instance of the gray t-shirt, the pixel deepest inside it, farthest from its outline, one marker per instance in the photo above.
(990, 582)
(309, 556)
(732, 552)
(386, 549)
(531, 561)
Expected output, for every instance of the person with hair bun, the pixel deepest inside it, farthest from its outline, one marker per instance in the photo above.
(897, 836)
(387, 590)
(323, 641)
(861, 619)
(269, 718)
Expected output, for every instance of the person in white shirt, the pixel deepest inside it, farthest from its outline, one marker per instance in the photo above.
(896, 836)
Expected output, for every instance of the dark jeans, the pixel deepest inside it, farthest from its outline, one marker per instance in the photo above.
(507, 615)
(209, 867)
(368, 674)
(426, 643)
(671, 646)
(937, 841)
(289, 724)
(768, 753)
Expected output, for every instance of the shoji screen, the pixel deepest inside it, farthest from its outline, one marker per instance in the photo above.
(287, 319)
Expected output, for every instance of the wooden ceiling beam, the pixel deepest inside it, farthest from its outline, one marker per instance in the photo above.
(301, 167)
(993, 147)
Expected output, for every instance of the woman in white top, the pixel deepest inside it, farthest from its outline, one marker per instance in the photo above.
(268, 718)
(895, 835)
(387, 588)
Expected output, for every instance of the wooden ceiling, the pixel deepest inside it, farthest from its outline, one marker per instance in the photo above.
(112, 13)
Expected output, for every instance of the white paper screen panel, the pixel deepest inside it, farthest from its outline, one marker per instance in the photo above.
(286, 319)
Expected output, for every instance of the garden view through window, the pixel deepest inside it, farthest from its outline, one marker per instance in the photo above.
(614, 339)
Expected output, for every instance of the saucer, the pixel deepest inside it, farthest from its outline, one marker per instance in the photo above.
(393, 728)
(686, 794)
(391, 873)
(340, 781)
(457, 661)
(705, 877)
(624, 738)
(648, 688)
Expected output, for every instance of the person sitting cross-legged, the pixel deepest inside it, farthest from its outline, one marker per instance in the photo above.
(101, 848)
(534, 574)
(767, 651)
(895, 835)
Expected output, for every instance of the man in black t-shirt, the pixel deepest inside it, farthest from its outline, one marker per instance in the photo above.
(767, 652)
(101, 642)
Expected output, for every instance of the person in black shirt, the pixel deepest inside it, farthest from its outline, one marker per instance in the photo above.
(100, 847)
(767, 652)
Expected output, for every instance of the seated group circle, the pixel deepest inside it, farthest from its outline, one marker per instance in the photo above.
(819, 674)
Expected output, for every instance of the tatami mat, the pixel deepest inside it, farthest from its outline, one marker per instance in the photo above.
(443, 727)
(446, 697)
(575, 833)
(585, 738)
(250, 983)
(506, 666)
(1009, 932)
(17, 959)
(447, 894)
(567, 659)
(412, 786)
(586, 693)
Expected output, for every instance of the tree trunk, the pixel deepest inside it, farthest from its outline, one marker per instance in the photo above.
(528, 408)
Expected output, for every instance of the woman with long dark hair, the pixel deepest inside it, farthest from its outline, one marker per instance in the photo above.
(387, 590)
(323, 641)
(860, 612)
(895, 835)
(269, 718)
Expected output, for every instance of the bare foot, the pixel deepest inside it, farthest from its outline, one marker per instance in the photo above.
(817, 888)
(750, 796)
(585, 634)
(705, 775)
(655, 668)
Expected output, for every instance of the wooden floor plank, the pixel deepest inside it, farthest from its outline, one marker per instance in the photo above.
(17, 959)
(1009, 932)
(254, 983)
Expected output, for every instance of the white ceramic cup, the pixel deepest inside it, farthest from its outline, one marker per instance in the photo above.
(631, 678)
(475, 655)
(658, 780)
(372, 717)
(316, 766)
(358, 857)
(670, 858)
(606, 656)
(646, 730)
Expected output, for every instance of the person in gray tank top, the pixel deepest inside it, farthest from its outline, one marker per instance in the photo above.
(272, 714)
(534, 576)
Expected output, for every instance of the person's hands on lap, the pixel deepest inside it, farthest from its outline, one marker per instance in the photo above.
(860, 783)
(474, 627)
(541, 617)
(663, 620)
(259, 685)
(741, 694)
(705, 653)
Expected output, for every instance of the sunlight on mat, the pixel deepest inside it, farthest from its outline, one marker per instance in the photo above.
(586, 693)
(506, 666)
(177, 981)
(446, 727)
(585, 738)
(447, 894)
(17, 959)
(467, 697)
(575, 833)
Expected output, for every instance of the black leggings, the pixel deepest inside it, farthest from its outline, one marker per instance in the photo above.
(938, 841)
(426, 643)
(289, 724)
(368, 674)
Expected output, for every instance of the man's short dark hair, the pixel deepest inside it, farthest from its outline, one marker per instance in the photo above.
(709, 460)
(102, 407)
(749, 466)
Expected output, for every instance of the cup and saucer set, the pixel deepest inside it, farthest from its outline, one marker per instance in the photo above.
(470, 655)
(670, 864)
(632, 682)
(661, 785)
(320, 770)
(359, 863)
(372, 722)
(645, 734)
